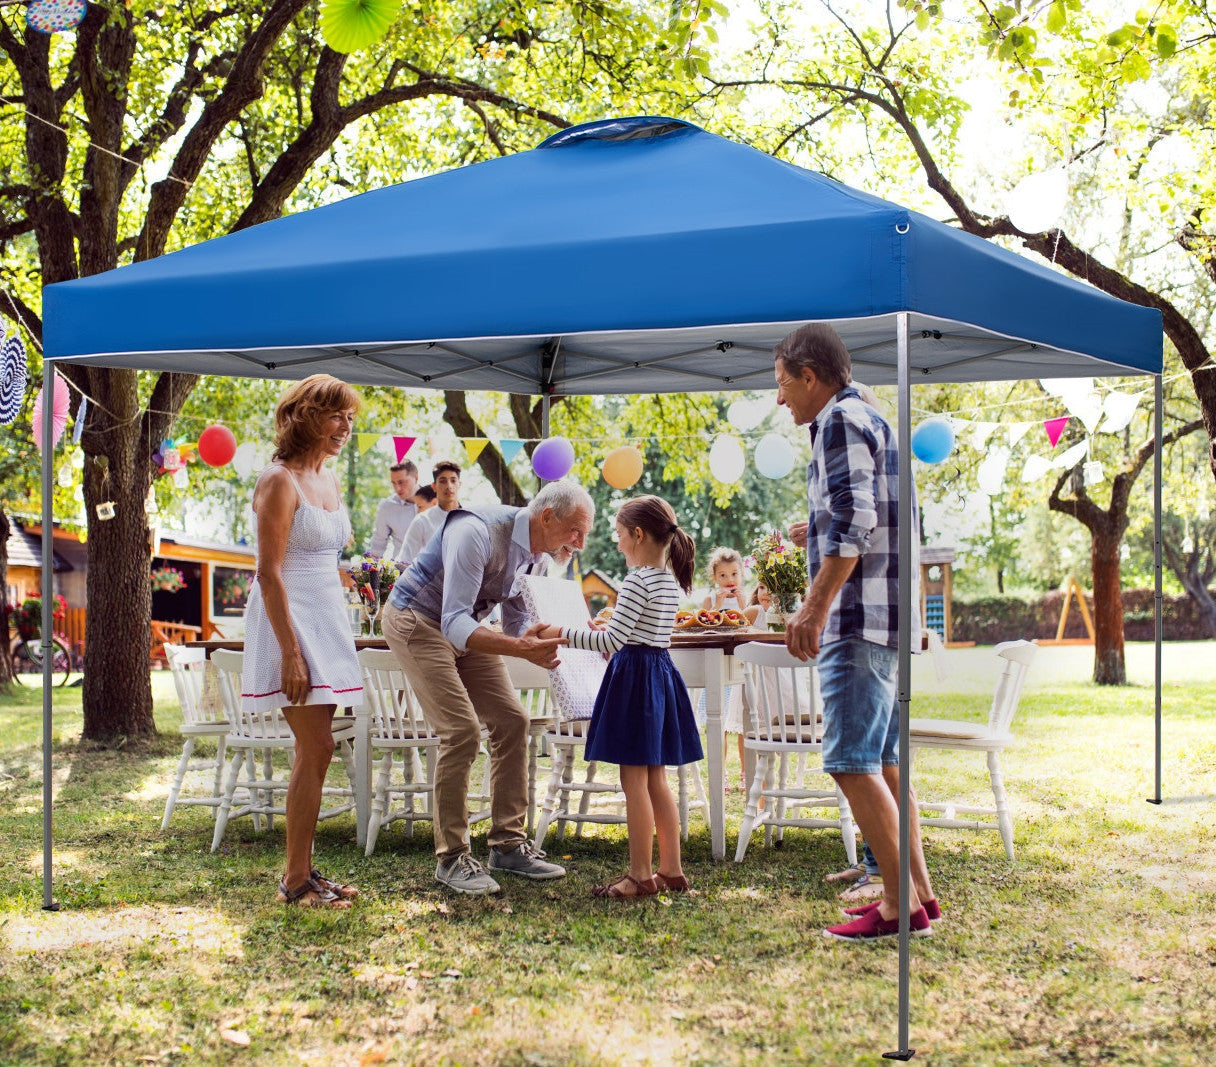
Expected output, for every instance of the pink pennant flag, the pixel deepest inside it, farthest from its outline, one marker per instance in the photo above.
(1055, 428)
(403, 446)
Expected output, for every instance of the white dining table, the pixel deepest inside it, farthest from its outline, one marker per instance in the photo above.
(704, 660)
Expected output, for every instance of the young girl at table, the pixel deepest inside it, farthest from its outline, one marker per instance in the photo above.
(642, 719)
(726, 576)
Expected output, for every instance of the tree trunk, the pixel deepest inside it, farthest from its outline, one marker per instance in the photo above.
(1110, 667)
(6, 662)
(118, 638)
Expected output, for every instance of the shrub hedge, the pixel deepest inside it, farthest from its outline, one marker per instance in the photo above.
(987, 620)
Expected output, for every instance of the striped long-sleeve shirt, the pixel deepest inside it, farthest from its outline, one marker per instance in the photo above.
(645, 610)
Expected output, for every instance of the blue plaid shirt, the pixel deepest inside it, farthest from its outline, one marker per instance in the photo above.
(853, 495)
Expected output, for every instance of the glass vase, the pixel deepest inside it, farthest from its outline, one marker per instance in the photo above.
(778, 617)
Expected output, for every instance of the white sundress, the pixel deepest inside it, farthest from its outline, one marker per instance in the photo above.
(317, 606)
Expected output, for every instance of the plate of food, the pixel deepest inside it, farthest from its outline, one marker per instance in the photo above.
(709, 619)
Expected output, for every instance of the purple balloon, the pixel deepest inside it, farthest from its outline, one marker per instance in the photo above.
(553, 458)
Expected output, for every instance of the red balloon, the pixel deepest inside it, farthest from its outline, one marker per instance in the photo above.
(216, 445)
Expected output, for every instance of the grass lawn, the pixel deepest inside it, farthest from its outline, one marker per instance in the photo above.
(1097, 944)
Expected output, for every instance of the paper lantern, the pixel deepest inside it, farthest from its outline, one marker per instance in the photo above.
(349, 25)
(12, 378)
(623, 467)
(1036, 203)
(59, 413)
(216, 445)
(774, 456)
(933, 440)
(553, 458)
(726, 459)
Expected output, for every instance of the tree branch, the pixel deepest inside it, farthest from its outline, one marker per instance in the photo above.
(242, 87)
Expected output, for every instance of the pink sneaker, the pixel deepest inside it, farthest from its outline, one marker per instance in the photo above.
(931, 909)
(873, 927)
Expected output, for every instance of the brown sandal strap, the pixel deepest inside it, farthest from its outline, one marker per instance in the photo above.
(345, 892)
(677, 883)
(298, 896)
(647, 888)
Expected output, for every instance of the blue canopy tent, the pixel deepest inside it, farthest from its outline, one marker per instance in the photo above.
(635, 255)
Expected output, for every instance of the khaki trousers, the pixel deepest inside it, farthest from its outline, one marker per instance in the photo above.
(459, 693)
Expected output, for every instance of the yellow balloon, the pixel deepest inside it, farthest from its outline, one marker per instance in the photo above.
(623, 467)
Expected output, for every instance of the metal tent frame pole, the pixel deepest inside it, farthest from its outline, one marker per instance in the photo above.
(1158, 417)
(48, 632)
(905, 547)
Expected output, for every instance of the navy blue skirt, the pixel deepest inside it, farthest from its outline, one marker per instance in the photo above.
(642, 715)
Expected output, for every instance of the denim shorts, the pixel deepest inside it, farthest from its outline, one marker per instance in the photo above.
(857, 680)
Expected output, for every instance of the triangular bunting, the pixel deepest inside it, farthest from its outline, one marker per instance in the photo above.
(1017, 431)
(510, 448)
(402, 446)
(1055, 428)
(474, 447)
(364, 441)
(1120, 409)
(1070, 457)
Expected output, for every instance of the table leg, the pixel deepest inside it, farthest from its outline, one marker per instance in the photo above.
(715, 682)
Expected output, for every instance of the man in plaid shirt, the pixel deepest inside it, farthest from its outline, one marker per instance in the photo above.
(849, 618)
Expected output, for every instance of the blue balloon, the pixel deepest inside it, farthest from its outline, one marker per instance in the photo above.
(933, 440)
(774, 456)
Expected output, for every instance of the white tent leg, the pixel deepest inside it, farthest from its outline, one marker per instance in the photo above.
(903, 1052)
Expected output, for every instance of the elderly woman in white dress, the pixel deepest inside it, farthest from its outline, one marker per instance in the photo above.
(299, 651)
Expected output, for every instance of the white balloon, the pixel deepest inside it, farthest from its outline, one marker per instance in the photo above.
(245, 458)
(726, 459)
(1037, 202)
(774, 457)
(181, 478)
(744, 414)
(991, 472)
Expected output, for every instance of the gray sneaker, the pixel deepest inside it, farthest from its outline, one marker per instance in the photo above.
(465, 875)
(526, 861)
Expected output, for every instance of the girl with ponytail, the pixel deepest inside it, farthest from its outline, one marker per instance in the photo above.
(642, 719)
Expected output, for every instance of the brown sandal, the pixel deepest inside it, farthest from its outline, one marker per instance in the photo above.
(647, 887)
(322, 897)
(345, 892)
(673, 883)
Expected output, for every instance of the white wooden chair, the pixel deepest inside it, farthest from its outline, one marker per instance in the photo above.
(264, 733)
(566, 740)
(989, 738)
(189, 667)
(533, 685)
(397, 727)
(784, 720)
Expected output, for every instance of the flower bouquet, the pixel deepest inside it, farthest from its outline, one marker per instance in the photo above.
(780, 566)
(373, 580)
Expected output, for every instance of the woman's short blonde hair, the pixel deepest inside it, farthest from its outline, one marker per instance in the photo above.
(297, 418)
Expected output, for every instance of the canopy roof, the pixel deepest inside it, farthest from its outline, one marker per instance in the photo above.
(626, 256)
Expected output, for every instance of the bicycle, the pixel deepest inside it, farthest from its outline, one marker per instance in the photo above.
(26, 658)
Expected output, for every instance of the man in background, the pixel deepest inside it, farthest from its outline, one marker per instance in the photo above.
(395, 514)
(446, 484)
